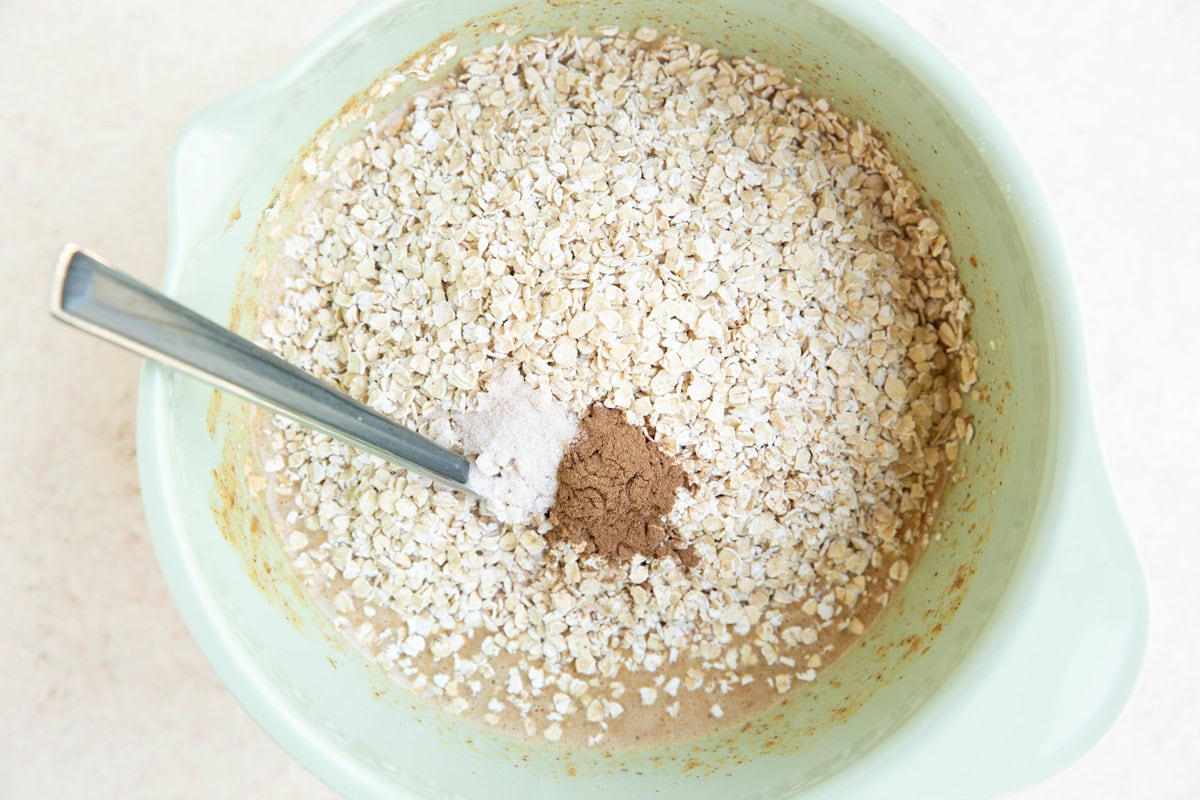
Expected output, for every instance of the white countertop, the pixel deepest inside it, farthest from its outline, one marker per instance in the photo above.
(103, 693)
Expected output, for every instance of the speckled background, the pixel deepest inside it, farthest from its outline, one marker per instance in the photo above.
(103, 693)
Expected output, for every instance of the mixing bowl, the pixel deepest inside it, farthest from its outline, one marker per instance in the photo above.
(1009, 652)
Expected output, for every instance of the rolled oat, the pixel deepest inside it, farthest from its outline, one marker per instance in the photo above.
(638, 221)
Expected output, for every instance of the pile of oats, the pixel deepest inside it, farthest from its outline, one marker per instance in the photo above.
(636, 220)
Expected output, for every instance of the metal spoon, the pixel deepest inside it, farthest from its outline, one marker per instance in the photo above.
(96, 298)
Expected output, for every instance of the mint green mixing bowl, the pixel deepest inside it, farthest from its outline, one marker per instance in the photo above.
(1009, 652)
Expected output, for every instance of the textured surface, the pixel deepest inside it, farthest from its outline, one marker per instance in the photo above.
(105, 695)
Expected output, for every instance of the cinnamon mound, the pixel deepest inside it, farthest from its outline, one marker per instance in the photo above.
(615, 489)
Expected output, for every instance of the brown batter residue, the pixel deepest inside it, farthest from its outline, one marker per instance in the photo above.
(615, 489)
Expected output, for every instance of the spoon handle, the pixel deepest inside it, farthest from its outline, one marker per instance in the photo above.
(95, 298)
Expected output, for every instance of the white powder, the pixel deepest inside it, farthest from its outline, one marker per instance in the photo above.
(518, 436)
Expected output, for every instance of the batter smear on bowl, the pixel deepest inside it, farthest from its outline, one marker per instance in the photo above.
(730, 286)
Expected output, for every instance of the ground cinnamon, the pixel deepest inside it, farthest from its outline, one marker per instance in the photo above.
(615, 488)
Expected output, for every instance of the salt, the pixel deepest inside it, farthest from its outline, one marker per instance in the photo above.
(518, 435)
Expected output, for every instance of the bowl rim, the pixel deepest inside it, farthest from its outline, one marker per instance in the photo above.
(1070, 416)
